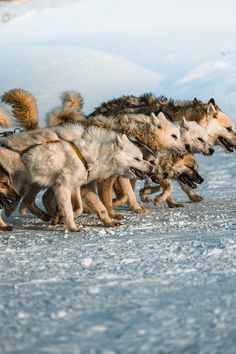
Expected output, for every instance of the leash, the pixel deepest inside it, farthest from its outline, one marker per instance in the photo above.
(78, 153)
(11, 132)
(18, 130)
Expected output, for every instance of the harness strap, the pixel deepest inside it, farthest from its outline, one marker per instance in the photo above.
(78, 153)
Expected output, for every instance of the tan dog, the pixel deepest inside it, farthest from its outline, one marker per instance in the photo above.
(180, 168)
(8, 197)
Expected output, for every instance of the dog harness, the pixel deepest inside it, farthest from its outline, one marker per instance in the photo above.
(78, 153)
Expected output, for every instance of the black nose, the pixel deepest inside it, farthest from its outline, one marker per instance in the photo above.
(187, 147)
(165, 175)
(199, 179)
(211, 151)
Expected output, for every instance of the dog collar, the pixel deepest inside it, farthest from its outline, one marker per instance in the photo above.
(79, 154)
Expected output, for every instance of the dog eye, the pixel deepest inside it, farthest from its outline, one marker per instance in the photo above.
(137, 159)
(229, 129)
(5, 184)
(159, 127)
(174, 136)
(200, 139)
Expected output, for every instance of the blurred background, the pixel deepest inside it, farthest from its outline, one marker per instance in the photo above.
(107, 48)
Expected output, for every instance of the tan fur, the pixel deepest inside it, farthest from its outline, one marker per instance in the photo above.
(8, 196)
(175, 166)
(24, 107)
(72, 101)
(61, 117)
(5, 119)
(22, 142)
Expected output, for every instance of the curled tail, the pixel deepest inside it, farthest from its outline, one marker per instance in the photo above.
(69, 112)
(59, 116)
(72, 101)
(5, 119)
(24, 108)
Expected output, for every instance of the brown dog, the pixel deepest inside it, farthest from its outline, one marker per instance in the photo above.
(8, 197)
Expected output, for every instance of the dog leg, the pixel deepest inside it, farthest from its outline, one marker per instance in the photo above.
(3, 226)
(167, 190)
(146, 191)
(93, 204)
(49, 201)
(120, 191)
(77, 203)
(29, 201)
(172, 203)
(134, 205)
(105, 189)
(23, 209)
(194, 197)
(63, 199)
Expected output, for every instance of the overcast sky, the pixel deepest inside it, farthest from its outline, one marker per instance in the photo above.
(93, 16)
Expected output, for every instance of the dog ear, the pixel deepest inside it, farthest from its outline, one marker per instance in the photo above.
(212, 101)
(211, 111)
(3, 171)
(120, 141)
(184, 124)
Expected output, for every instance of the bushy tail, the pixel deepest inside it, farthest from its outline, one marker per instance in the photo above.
(70, 112)
(5, 119)
(101, 121)
(72, 101)
(59, 116)
(24, 108)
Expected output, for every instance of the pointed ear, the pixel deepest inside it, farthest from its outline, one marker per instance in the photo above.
(211, 110)
(3, 171)
(195, 101)
(161, 116)
(125, 119)
(119, 141)
(184, 124)
(212, 101)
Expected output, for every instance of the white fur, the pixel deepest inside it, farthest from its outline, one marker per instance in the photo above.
(58, 166)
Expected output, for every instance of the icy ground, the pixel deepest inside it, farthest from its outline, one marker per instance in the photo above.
(162, 283)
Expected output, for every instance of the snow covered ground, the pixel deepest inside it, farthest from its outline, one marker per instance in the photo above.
(160, 283)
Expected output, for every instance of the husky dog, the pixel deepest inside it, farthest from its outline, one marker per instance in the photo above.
(8, 197)
(144, 130)
(76, 155)
(181, 168)
(219, 127)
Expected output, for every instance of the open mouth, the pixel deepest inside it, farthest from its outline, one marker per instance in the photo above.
(137, 173)
(209, 153)
(153, 178)
(186, 179)
(229, 147)
(9, 203)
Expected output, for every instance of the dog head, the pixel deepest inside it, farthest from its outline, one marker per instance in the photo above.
(8, 195)
(185, 170)
(129, 159)
(168, 134)
(220, 128)
(195, 138)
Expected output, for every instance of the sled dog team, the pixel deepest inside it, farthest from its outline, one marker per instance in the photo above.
(91, 163)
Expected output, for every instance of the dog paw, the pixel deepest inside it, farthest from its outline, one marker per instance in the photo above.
(45, 217)
(118, 217)
(141, 211)
(145, 199)
(113, 224)
(175, 205)
(6, 228)
(76, 229)
(196, 198)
